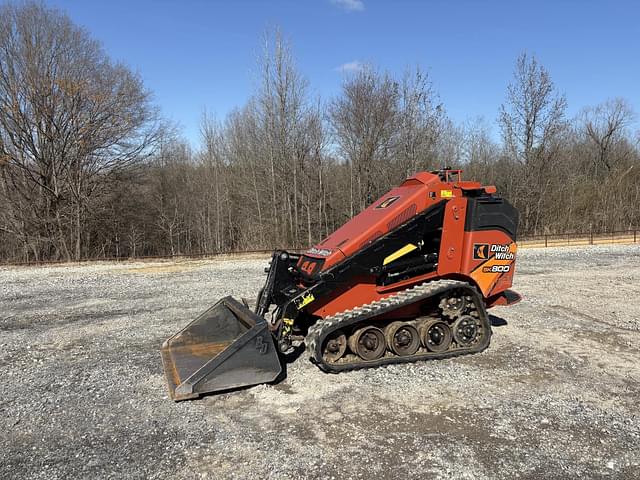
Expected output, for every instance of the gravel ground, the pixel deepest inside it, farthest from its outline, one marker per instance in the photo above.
(556, 395)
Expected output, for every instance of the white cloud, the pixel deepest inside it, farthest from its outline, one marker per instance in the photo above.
(354, 66)
(350, 5)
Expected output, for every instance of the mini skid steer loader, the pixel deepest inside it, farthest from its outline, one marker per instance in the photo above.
(409, 278)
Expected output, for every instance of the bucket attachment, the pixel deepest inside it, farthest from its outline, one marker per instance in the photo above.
(226, 347)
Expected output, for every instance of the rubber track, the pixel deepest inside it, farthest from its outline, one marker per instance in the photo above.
(321, 329)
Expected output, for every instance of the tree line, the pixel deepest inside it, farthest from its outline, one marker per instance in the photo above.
(88, 168)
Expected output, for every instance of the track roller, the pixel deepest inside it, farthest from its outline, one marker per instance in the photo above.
(402, 338)
(435, 335)
(368, 343)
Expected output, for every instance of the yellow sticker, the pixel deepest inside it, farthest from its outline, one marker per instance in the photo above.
(446, 193)
(305, 300)
(410, 247)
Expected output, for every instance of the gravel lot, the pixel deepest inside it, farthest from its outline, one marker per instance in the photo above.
(556, 395)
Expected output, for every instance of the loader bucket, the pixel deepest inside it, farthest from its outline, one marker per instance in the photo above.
(226, 347)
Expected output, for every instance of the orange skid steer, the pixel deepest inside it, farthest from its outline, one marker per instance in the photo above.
(410, 278)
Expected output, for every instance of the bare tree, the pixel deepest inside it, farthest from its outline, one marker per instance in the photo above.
(214, 174)
(532, 122)
(171, 202)
(533, 115)
(604, 125)
(288, 136)
(70, 116)
(478, 146)
(365, 125)
(250, 190)
(421, 119)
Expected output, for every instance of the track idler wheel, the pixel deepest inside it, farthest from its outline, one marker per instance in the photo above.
(453, 306)
(467, 330)
(402, 338)
(335, 346)
(368, 343)
(435, 336)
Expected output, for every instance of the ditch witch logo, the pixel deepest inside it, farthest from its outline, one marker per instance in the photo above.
(482, 251)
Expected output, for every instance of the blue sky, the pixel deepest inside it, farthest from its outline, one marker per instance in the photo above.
(197, 54)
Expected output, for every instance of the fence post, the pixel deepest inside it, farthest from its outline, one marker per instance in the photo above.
(634, 236)
(545, 240)
(591, 237)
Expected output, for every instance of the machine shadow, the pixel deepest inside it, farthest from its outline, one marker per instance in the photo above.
(294, 354)
(497, 321)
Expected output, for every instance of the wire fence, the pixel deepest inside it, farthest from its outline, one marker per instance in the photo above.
(528, 241)
(580, 238)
